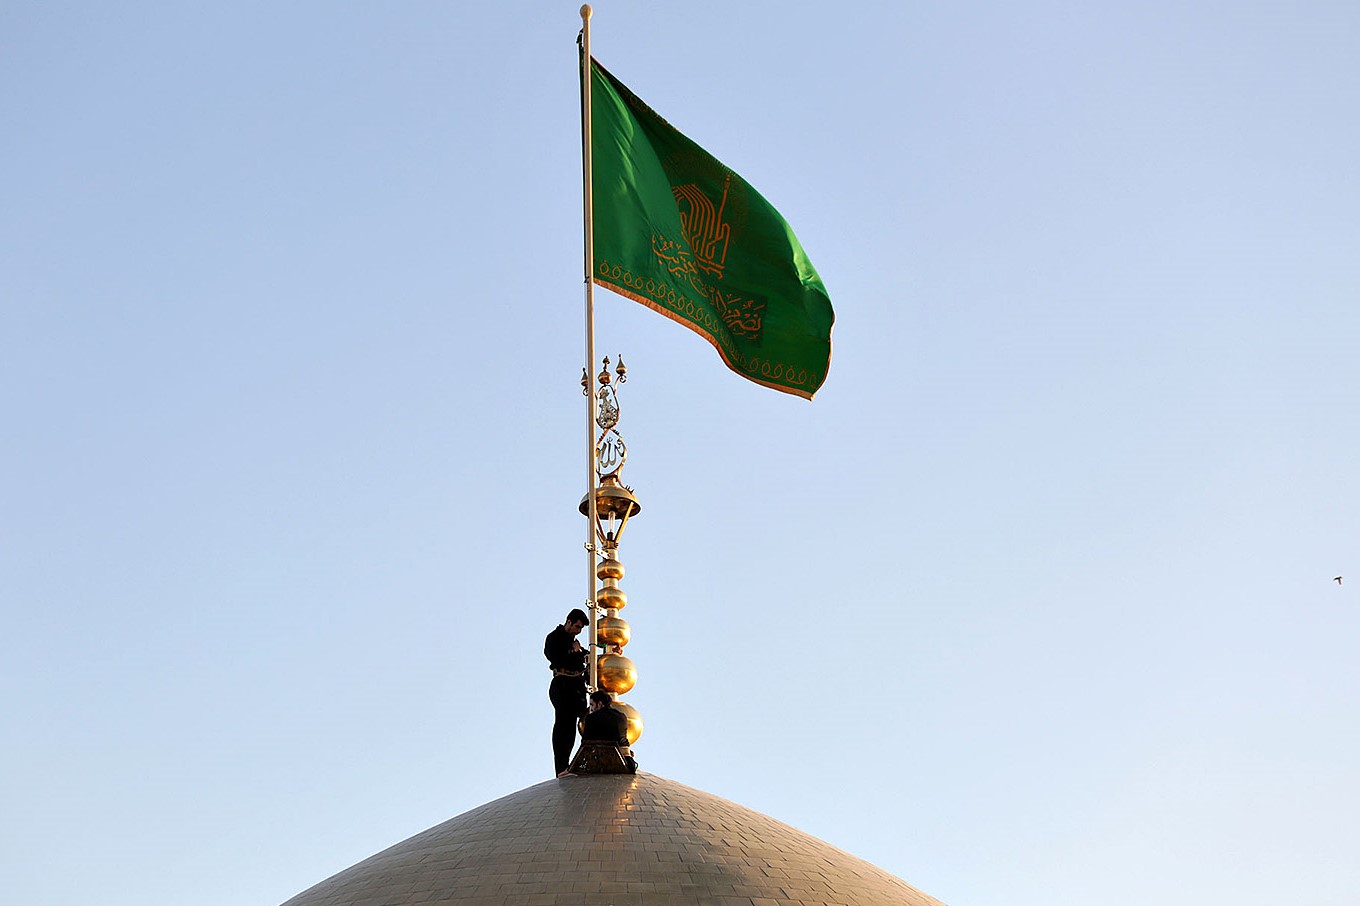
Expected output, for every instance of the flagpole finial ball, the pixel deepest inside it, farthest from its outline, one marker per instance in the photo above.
(586, 11)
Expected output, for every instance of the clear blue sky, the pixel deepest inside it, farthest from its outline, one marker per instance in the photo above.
(1033, 605)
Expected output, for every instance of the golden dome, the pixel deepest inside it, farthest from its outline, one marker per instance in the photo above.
(597, 840)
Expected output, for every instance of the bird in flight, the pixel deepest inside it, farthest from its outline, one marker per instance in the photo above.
(1336, 579)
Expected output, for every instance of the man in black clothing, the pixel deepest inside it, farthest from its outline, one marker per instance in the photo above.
(567, 691)
(604, 722)
(607, 724)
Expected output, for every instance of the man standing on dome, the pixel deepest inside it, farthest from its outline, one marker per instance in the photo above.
(567, 692)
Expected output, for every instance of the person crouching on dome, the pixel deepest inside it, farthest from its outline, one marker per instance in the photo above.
(605, 723)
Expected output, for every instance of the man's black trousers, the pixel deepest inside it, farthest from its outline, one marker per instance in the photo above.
(568, 697)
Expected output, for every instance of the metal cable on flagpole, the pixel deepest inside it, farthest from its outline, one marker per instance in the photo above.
(591, 464)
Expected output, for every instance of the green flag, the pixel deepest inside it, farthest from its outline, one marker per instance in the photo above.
(679, 232)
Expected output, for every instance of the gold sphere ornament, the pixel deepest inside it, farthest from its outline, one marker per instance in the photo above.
(613, 631)
(616, 673)
(609, 569)
(611, 598)
(634, 721)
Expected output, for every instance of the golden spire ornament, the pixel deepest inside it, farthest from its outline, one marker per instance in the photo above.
(615, 504)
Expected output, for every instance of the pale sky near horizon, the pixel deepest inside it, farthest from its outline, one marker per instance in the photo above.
(1032, 605)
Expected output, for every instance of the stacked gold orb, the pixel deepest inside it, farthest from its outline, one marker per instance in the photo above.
(616, 672)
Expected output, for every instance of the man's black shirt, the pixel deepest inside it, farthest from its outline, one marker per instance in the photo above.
(557, 649)
(606, 725)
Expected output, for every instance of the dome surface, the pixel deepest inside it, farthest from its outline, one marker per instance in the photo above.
(613, 840)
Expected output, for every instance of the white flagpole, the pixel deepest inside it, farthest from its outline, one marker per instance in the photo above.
(592, 474)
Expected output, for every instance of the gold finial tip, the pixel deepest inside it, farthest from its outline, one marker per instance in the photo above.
(586, 11)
